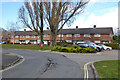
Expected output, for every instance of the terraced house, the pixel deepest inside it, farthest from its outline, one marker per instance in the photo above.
(97, 35)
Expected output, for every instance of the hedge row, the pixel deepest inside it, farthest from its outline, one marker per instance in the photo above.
(113, 45)
(73, 50)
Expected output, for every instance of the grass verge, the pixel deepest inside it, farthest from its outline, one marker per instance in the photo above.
(32, 47)
(107, 69)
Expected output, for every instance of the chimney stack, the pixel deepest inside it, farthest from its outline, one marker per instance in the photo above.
(94, 26)
(24, 29)
(47, 28)
(76, 27)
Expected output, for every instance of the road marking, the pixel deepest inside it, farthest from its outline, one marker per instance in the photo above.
(86, 76)
(23, 59)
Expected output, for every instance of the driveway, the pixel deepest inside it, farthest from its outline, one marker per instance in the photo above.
(71, 66)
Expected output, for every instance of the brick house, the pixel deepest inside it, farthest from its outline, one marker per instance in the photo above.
(96, 35)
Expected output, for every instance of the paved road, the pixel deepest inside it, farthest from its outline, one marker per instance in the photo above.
(72, 66)
(82, 59)
(36, 66)
(8, 59)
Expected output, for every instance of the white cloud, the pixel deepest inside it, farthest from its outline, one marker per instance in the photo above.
(109, 19)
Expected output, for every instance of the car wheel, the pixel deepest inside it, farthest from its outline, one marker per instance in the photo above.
(98, 49)
(108, 49)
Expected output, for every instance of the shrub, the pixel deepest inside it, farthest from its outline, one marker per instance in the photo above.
(90, 50)
(53, 49)
(75, 46)
(74, 50)
(84, 50)
(29, 43)
(79, 50)
(56, 48)
(65, 49)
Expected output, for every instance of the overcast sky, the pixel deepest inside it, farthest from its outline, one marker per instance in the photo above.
(102, 13)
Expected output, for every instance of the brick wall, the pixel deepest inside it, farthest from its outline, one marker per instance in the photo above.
(92, 39)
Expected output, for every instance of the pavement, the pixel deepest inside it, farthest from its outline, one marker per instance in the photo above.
(8, 59)
(39, 64)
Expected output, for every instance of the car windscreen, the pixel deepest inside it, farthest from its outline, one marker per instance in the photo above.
(82, 44)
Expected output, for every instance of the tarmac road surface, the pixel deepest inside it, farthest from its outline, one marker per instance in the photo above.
(36, 64)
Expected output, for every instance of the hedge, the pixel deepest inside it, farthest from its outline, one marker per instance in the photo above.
(113, 45)
(75, 49)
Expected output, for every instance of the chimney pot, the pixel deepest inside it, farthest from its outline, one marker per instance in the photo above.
(24, 29)
(76, 26)
(94, 26)
(48, 28)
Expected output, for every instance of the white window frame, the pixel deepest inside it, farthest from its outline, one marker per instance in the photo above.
(33, 36)
(21, 36)
(97, 41)
(27, 36)
(16, 41)
(27, 41)
(76, 35)
(45, 35)
(97, 35)
(16, 36)
(68, 40)
(60, 35)
(69, 35)
(38, 36)
(86, 35)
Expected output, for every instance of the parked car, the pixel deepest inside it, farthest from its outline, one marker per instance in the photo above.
(5, 42)
(82, 44)
(86, 45)
(105, 47)
(97, 46)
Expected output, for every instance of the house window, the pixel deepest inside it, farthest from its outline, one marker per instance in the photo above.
(33, 36)
(105, 41)
(69, 35)
(97, 35)
(111, 35)
(16, 41)
(12, 36)
(97, 41)
(68, 40)
(38, 41)
(27, 36)
(60, 35)
(11, 40)
(38, 36)
(16, 36)
(45, 35)
(86, 35)
(77, 35)
(21, 36)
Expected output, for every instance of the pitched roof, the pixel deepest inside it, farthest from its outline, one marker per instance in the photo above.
(105, 30)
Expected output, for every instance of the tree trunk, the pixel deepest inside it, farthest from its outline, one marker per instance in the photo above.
(53, 39)
(41, 39)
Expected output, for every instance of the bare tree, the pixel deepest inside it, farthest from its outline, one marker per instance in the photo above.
(59, 13)
(12, 27)
(31, 15)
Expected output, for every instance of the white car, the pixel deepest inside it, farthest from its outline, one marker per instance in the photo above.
(97, 46)
(105, 47)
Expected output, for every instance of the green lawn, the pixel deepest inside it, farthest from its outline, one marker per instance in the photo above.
(33, 47)
(107, 69)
